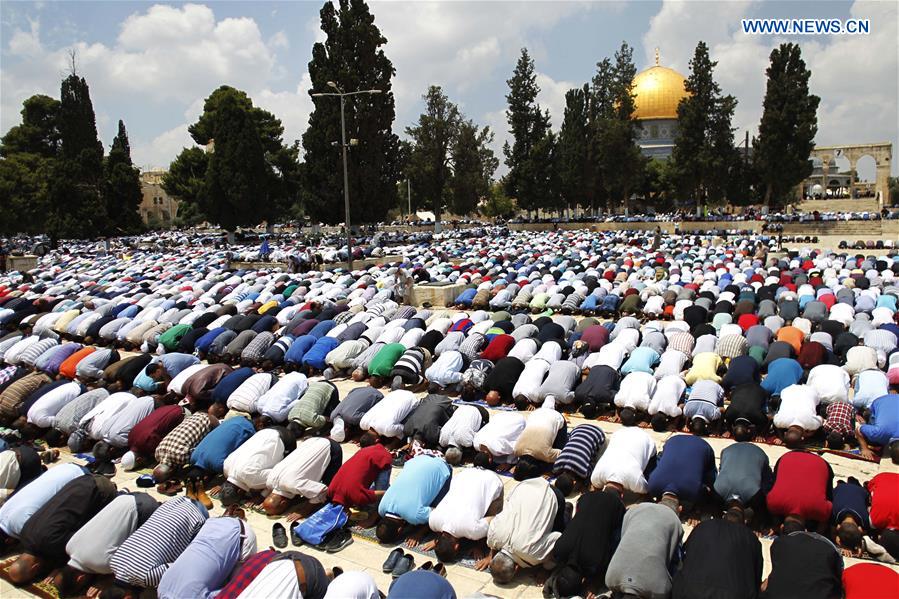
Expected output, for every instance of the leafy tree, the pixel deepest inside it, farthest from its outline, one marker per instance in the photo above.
(788, 126)
(352, 56)
(704, 151)
(27, 158)
(573, 147)
(656, 185)
(236, 179)
(473, 165)
(75, 207)
(122, 190)
(600, 108)
(186, 177)
(545, 164)
(432, 140)
(528, 125)
(498, 204)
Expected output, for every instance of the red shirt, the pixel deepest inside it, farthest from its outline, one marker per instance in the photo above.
(148, 433)
(803, 481)
(884, 489)
(747, 321)
(870, 581)
(498, 348)
(350, 486)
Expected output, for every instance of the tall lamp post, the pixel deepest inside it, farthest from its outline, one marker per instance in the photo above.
(343, 144)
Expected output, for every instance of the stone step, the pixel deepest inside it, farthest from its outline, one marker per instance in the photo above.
(857, 205)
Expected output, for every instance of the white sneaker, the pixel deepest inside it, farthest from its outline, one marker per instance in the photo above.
(338, 430)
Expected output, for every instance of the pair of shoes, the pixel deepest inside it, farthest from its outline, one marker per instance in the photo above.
(437, 568)
(337, 541)
(403, 565)
(279, 535)
(170, 488)
(390, 563)
(103, 468)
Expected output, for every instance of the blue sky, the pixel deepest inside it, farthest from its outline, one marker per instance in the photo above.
(152, 64)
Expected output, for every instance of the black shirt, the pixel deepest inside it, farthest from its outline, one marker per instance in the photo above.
(741, 370)
(589, 540)
(722, 560)
(599, 386)
(804, 566)
(747, 401)
(504, 376)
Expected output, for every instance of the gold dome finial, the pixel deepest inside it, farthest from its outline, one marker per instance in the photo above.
(658, 57)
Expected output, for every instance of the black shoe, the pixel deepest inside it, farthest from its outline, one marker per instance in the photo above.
(103, 468)
(279, 535)
(403, 565)
(338, 540)
(295, 539)
(391, 561)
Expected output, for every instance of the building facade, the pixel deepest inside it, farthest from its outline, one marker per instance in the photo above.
(157, 207)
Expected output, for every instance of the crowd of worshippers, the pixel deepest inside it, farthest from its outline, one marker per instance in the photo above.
(703, 338)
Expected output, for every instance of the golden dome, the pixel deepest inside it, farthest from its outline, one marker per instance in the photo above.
(658, 91)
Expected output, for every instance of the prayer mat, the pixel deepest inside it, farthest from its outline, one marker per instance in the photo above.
(481, 402)
(252, 503)
(40, 588)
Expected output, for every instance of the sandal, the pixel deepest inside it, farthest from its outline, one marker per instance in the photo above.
(50, 456)
(170, 488)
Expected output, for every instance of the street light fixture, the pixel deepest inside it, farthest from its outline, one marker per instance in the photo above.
(344, 145)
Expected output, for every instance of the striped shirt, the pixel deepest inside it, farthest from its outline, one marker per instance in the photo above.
(471, 347)
(34, 351)
(705, 398)
(579, 452)
(145, 556)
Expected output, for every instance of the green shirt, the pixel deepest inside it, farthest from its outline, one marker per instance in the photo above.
(170, 339)
(385, 359)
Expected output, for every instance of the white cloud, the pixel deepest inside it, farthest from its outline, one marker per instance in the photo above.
(161, 150)
(855, 76)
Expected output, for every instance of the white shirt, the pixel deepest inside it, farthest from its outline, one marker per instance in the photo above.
(550, 352)
(830, 382)
(177, 382)
(300, 473)
(386, 416)
(667, 395)
(624, 460)
(353, 585)
(524, 350)
(9, 473)
(461, 512)
(635, 391)
(278, 579)
(671, 363)
(523, 529)
(460, 429)
(798, 405)
(43, 412)
(528, 384)
(249, 465)
(447, 369)
(245, 396)
(499, 435)
(610, 354)
(103, 411)
(277, 401)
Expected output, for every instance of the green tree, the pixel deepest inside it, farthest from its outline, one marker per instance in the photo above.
(28, 154)
(704, 151)
(600, 109)
(788, 126)
(76, 207)
(352, 56)
(545, 164)
(528, 125)
(236, 179)
(656, 185)
(498, 204)
(186, 178)
(432, 140)
(121, 189)
(573, 148)
(473, 164)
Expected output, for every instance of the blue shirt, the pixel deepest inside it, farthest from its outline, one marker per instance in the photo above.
(30, 498)
(211, 451)
(851, 498)
(884, 422)
(411, 496)
(782, 373)
(229, 384)
(421, 584)
(686, 464)
(206, 563)
(298, 349)
(642, 360)
(205, 342)
(315, 357)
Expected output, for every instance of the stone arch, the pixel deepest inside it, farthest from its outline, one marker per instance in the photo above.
(882, 153)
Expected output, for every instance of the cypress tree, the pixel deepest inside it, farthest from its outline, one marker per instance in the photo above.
(122, 191)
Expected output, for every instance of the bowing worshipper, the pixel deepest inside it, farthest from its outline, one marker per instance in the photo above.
(797, 416)
(381, 364)
(18, 467)
(782, 373)
(882, 428)
(361, 585)
(475, 496)
(207, 459)
(42, 413)
(633, 397)
(116, 428)
(362, 480)
(583, 551)
(423, 424)
(90, 427)
(230, 383)
(347, 415)
(205, 565)
(804, 565)
(744, 477)
(722, 558)
(575, 461)
(746, 414)
(445, 373)
(385, 418)
(665, 405)
(275, 404)
(143, 558)
(274, 356)
(646, 555)
(290, 575)
(850, 514)
(12, 398)
(861, 581)
(119, 376)
(560, 382)
(624, 462)
(244, 398)
(197, 389)
(540, 443)
(148, 433)
(46, 532)
(884, 513)
(311, 412)
(704, 406)
(69, 416)
(596, 393)
(248, 467)
(340, 360)
(175, 449)
(158, 374)
(802, 490)
(306, 472)
(19, 508)
(495, 442)
(500, 382)
(523, 534)
(314, 360)
(409, 369)
(92, 545)
(685, 470)
(706, 366)
(420, 486)
(526, 392)
(459, 431)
